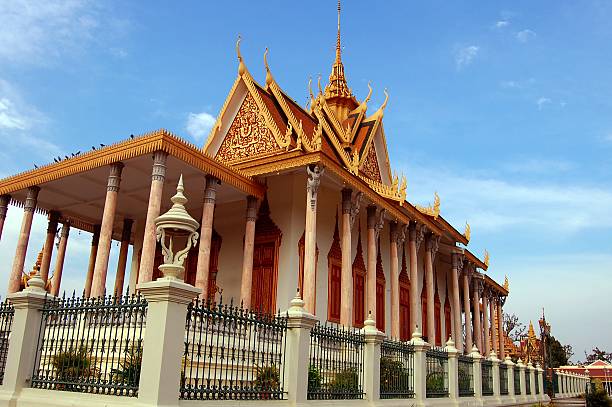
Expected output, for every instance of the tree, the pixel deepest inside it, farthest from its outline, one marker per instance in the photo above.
(514, 329)
(569, 351)
(598, 354)
(557, 353)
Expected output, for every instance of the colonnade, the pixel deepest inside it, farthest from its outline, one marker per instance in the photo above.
(102, 236)
(482, 329)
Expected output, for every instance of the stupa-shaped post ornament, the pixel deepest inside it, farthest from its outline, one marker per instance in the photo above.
(174, 225)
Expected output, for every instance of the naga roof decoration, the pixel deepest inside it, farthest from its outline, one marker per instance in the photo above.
(433, 209)
(467, 232)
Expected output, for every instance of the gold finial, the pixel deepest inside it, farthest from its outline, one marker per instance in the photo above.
(241, 66)
(319, 84)
(382, 107)
(507, 286)
(468, 231)
(269, 79)
(338, 48)
(402, 189)
(487, 258)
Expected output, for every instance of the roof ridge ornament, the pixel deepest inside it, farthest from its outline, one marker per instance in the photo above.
(487, 258)
(241, 66)
(467, 233)
(269, 78)
(433, 209)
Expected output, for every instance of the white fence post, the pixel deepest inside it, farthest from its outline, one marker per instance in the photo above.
(521, 367)
(477, 373)
(299, 325)
(511, 390)
(371, 360)
(496, 383)
(453, 369)
(420, 367)
(164, 340)
(23, 340)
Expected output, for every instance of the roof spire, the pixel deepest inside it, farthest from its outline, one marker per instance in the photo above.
(337, 92)
(338, 49)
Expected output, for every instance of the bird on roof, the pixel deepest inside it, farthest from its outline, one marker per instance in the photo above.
(35, 166)
(93, 148)
(131, 136)
(102, 145)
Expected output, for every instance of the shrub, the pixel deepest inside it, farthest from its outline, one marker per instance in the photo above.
(73, 365)
(598, 397)
(393, 375)
(345, 381)
(314, 379)
(267, 380)
(435, 382)
(128, 372)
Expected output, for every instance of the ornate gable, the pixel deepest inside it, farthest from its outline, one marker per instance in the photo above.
(370, 167)
(248, 135)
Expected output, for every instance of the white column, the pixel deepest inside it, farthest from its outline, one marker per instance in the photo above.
(310, 237)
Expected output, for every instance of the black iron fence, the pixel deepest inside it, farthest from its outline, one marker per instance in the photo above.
(527, 382)
(487, 377)
(336, 363)
(91, 345)
(6, 322)
(232, 353)
(396, 370)
(466, 376)
(437, 373)
(503, 379)
(517, 380)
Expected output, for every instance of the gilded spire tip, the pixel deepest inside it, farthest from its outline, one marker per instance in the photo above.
(241, 66)
(338, 48)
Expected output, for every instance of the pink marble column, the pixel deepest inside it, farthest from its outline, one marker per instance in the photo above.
(98, 288)
(430, 254)
(394, 236)
(247, 257)
(500, 329)
(48, 247)
(310, 239)
(95, 239)
(59, 260)
(485, 322)
(476, 317)
(494, 334)
(371, 264)
(4, 202)
(416, 233)
(126, 235)
(208, 214)
(466, 308)
(149, 242)
(457, 265)
(22, 242)
(346, 278)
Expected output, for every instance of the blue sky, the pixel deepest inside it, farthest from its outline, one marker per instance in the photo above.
(503, 108)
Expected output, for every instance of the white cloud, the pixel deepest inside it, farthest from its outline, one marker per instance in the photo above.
(517, 84)
(525, 35)
(502, 204)
(18, 121)
(40, 32)
(502, 23)
(199, 124)
(118, 52)
(541, 102)
(465, 56)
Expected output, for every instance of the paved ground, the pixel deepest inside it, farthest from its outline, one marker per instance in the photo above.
(572, 402)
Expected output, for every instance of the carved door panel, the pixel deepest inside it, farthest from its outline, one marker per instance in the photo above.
(334, 292)
(405, 333)
(380, 305)
(263, 293)
(358, 299)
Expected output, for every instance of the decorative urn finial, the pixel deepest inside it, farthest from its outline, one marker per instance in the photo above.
(176, 224)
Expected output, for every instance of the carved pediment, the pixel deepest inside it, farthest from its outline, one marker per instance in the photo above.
(248, 135)
(370, 167)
